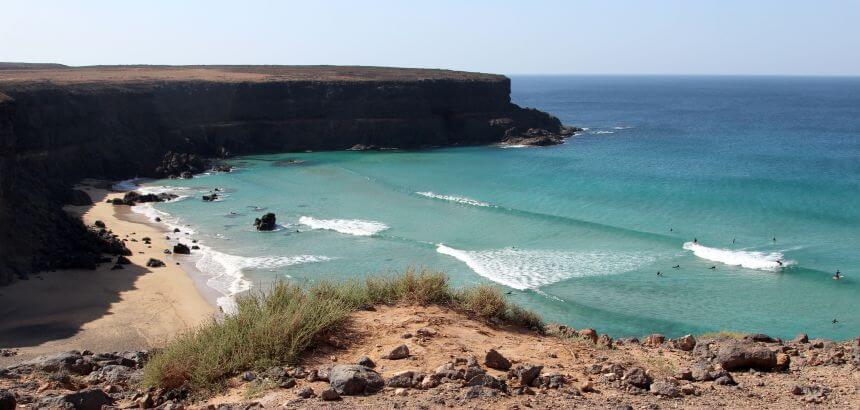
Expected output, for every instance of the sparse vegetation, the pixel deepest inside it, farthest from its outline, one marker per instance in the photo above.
(277, 326)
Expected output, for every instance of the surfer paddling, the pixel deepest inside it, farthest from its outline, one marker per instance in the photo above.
(838, 275)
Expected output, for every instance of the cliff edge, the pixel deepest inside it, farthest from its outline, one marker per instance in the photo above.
(60, 124)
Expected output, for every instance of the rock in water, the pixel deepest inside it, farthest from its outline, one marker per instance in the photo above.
(266, 223)
(495, 360)
(354, 379)
(181, 249)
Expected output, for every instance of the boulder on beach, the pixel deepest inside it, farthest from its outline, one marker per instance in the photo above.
(737, 356)
(181, 248)
(266, 223)
(154, 263)
(495, 360)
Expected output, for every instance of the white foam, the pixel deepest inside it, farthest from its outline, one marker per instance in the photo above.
(602, 132)
(226, 271)
(747, 259)
(531, 269)
(622, 127)
(355, 227)
(454, 198)
(127, 185)
(506, 146)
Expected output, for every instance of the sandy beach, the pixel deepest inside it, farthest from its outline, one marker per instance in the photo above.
(104, 310)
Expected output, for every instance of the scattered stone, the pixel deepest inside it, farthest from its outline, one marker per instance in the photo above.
(725, 380)
(306, 393)
(99, 224)
(586, 386)
(266, 223)
(485, 380)
(154, 263)
(527, 374)
(249, 376)
(636, 376)
(7, 400)
(664, 388)
(406, 335)
(686, 343)
(588, 334)
(426, 332)
(654, 340)
(760, 337)
(399, 352)
(401, 392)
(287, 383)
(495, 360)
(801, 338)
(329, 395)
(69, 362)
(604, 341)
(366, 362)
(405, 379)
(354, 379)
(783, 361)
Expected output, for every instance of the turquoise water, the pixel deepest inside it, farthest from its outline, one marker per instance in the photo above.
(577, 232)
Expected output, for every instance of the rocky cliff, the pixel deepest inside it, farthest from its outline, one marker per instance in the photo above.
(61, 124)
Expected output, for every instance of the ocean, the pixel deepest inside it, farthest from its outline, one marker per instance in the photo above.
(762, 172)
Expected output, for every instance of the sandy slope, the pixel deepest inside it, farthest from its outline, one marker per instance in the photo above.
(103, 310)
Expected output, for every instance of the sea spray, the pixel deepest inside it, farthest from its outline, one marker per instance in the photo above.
(749, 259)
(355, 227)
(530, 269)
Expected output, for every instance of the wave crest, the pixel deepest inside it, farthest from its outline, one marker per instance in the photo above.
(355, 227)
(454, 198)
(746, 259)
(226, 272)
(530, 269)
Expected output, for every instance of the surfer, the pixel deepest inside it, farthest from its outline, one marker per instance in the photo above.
(835, 321)
(671, 230)
(676, 267)
(509, 292)
(774, 239)
(733, 241)
(779, 262)
(659, 273)
(713, 267)
(696, 241)
(838, 275)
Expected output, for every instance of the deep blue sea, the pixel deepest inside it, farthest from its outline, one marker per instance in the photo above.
(760, 171)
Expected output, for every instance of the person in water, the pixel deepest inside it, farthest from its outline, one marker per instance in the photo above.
(779, 262)
(659, 273)
(713, 267)
(835, 321)
(838, 275)
(695, 240)
(676, 267)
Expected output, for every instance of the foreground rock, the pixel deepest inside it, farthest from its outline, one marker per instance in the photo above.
(354, 379)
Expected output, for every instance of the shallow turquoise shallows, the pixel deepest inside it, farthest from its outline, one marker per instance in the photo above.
(760, 171)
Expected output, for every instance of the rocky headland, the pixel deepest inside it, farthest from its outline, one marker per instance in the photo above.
(61, 124)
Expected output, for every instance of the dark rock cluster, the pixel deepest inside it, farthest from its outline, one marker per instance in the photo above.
(266, 222)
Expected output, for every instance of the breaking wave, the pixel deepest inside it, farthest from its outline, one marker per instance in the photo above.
(531, 269)
(746, 259)
(454, 198)
(355, 227)
(226, 271)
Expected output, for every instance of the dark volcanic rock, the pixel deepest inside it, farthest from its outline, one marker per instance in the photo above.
(181, 165)
(70, 362)
(79, 198)
(7, 400)
(182, 249)
(354, 379)
(266, 223)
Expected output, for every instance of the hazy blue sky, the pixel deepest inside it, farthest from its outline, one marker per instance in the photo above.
(819, 37)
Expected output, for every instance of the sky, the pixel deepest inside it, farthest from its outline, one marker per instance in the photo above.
(751, 37)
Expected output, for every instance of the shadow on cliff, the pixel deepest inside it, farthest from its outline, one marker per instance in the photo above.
(56, 305)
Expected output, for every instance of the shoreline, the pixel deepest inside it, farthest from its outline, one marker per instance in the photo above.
(134, 308)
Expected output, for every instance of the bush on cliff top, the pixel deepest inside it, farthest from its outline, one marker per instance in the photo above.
(276, 327)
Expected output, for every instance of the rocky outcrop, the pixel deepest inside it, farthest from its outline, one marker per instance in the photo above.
(60, 124)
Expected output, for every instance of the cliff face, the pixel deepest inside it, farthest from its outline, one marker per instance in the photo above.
(58, 125)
